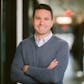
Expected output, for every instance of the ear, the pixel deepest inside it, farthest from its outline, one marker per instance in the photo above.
(32, 21)
(52, 23)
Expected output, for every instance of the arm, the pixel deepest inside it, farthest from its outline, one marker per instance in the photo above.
(52, 65)
(55, 75)
(20, 77)
(16, 73)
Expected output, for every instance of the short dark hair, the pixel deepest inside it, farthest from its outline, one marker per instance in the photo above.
(43, 6)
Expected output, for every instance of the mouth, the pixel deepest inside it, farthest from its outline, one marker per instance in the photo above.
(41, 27)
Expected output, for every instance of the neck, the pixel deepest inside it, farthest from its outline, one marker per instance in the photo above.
(40, 36)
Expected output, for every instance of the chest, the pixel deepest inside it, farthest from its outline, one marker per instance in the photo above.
(39, 56)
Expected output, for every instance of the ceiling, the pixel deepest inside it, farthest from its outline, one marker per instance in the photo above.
(59, 6)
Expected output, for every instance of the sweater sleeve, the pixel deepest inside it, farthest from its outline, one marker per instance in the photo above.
(16, 73)
(55, 75)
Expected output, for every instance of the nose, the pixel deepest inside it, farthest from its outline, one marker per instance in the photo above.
(41, 21)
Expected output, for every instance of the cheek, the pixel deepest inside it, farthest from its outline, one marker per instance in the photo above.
(34, 22)
(50, 25)
(35, 25)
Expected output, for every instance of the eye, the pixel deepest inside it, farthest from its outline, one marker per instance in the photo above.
(46, 18)
(37, 18)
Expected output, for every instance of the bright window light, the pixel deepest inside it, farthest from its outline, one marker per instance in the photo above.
(64, 20)
(19, 22)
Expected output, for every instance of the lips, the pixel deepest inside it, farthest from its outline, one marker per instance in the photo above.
(41, 27)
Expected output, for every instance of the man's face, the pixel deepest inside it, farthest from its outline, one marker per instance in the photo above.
(42, 21)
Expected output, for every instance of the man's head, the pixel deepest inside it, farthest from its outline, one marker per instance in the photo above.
(43, 6)
(42, 19)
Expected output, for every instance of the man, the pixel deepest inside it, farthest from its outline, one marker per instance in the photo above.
(43, 57)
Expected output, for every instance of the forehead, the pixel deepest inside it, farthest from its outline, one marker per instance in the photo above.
(42, 12)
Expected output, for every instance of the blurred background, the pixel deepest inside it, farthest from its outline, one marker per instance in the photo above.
(16, 18)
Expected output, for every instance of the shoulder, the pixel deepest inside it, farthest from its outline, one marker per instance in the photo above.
(61, 44)
(28, 39)
(26, 42)
(59, 40)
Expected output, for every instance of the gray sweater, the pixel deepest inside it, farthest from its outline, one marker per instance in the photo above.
(38, 59)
